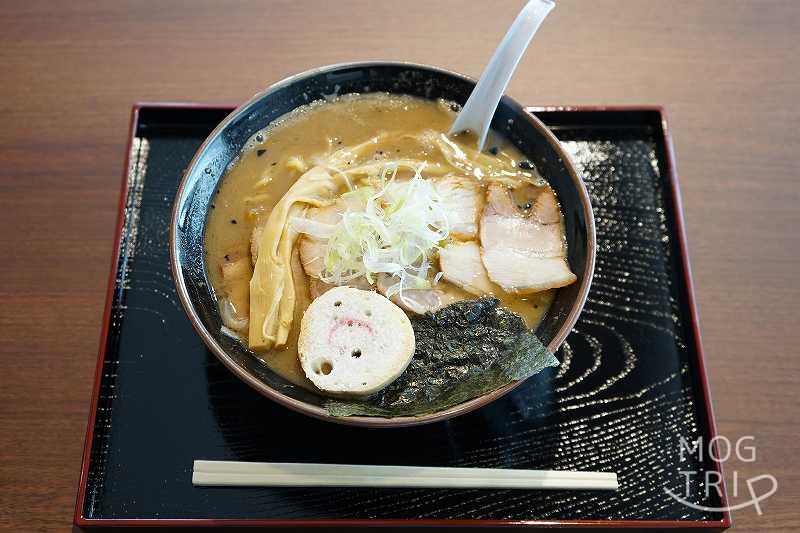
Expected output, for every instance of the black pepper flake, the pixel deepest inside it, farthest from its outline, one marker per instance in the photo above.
(338, 142)
(213, 206)
(261, 152)
(525, 165)
(233, 221)
(274, 163)
(227, 258)
(493, 150)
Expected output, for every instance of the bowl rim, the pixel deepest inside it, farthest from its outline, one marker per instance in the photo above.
(370, 421)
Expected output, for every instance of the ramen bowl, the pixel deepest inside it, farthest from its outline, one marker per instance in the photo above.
(222, 147)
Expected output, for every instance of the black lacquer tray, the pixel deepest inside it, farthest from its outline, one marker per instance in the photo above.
(631, 383)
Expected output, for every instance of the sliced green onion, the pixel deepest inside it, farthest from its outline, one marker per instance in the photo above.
(397, 231)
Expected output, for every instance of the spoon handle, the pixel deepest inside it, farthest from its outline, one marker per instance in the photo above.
(479, 109)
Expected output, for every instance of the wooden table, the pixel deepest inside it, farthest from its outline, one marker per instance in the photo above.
(728, 73)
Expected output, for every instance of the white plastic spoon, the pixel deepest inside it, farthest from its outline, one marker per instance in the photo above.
(480, 107)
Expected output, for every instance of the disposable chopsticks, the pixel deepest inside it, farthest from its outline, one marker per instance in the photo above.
(231, 473)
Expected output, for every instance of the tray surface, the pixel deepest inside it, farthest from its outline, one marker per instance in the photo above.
(629, 386)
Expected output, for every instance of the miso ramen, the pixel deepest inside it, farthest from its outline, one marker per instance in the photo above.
(370, 192)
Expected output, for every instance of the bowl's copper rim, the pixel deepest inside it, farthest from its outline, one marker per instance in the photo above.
(368, 421)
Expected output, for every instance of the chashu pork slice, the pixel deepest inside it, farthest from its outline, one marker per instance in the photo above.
(419, 301)
(523, 254)
(312, 250)
(463, 200)
(462, 266)
(322, 220)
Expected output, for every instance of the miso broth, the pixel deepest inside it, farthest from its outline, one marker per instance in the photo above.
(278, 155)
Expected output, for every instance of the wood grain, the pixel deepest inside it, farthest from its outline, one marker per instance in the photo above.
(726, 71)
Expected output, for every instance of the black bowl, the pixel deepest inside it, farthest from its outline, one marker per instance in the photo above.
(208, 167)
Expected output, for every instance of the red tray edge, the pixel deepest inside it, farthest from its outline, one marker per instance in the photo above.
(719, 525)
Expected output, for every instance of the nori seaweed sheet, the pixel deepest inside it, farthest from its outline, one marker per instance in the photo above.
(462, 351)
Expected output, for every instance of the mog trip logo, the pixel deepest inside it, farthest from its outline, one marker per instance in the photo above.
(721, 450)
